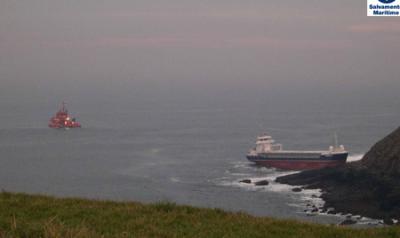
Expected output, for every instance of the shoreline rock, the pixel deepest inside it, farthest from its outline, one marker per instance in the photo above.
(245, 181)
(296, 190)
(261, 183)
(347, 222)
(370, 187)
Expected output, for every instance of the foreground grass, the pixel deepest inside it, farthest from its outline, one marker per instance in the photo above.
(24, 215)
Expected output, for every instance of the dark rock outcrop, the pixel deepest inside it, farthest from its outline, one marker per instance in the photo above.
(245, 181)
(332, 212)
(347, 222)
(314, 210)
(370, 187)
(388, 221)
(297, 189)
(262, 183)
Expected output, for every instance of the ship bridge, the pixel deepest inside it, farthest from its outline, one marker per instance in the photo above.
(265, 143)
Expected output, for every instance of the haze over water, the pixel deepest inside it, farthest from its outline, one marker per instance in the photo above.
(172, 95)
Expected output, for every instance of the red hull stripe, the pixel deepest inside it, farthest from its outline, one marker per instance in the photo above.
(299, 165)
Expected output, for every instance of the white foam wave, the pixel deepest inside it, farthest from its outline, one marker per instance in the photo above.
(277, 174)
(305, 201)
(355, 157)
(238, 184)
(174, 179)
(243, 165)
(269, 175)
(279, 188)
(238, 174)
(312, 196)
(237, 165)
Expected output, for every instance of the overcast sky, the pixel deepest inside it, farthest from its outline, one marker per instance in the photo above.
(51, 46)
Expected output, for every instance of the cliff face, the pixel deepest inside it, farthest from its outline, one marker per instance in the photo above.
(384, 156)
(370, 187)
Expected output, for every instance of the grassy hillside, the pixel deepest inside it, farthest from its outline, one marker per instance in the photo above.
(40, 216)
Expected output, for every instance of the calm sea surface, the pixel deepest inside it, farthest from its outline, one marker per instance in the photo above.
(183, 153)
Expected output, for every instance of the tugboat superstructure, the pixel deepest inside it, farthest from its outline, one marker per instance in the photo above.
(63, 120)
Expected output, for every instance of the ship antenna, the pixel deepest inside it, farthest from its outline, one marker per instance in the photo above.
(63, 107)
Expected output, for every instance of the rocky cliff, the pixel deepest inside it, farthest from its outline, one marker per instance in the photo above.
(384, 156)
(370, 187)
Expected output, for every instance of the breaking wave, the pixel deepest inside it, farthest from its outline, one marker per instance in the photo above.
(304, 201)
(355, 157)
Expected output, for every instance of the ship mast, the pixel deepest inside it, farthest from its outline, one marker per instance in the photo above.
(335, 140)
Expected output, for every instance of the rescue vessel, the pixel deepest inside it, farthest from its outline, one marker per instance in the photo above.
(63, 120)
(269, 154)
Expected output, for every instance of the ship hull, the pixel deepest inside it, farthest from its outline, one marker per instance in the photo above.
(63, 126)
(299, 163)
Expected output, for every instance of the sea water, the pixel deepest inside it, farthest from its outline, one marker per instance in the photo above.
(183, 152)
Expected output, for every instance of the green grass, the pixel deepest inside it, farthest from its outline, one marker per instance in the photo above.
(24, 215)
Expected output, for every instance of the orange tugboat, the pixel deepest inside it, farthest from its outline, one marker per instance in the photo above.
(63, 120)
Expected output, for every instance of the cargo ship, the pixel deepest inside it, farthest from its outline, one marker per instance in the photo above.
(63, 120)
(269, 154)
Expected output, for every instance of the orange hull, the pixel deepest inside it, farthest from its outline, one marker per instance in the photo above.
(63, 120)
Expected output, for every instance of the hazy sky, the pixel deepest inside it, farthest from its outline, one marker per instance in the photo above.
(87, 47)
